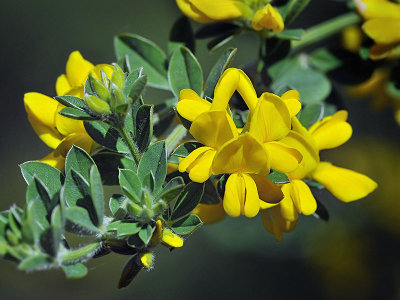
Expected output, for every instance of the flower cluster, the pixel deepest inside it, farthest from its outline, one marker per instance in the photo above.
(271, 138)
(261, 14)
(57, 131)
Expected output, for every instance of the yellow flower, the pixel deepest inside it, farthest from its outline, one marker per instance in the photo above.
(352, 38)
(382, 23)
(210, 213)
(344, 184)
(261, 14)
(208, 11)
(270, 122)
(56, 131)
(246, 160)
(268, 17)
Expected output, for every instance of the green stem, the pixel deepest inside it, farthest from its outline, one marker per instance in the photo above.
(80, 254)
(325, 29)
(128, 140)
(174, 138)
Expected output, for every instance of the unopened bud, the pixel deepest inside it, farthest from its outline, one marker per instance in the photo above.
(97, 105)
(134, 209)
(99, 88)
(117, 98)
(104, 79)
(146, 259)
(118, 76)
(171, 239)
(159, 207)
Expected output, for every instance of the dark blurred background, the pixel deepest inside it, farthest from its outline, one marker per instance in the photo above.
(353, 256)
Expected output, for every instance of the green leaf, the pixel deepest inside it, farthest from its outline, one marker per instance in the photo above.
(154, 160)
(184, 72)
(214, 29)
(185, 149)
(187, 200)
(311, 113)
(217, 70)
(146, 232)
(38, 191)
(220, 41)
(144, 127)
(75, 271)
(210, 195)
(143, 53)
(290, 34)
(130, 271)
(278, 178)
(71, 101)
(79, 221)
(292, 9)
(97, 194)
(37, 218)
(130, 184)
(294, 73)
(323, 60)
(108, 164)
(149, 182)
(79, 160)
(36, 262)
(14, 225)
(172, 189)
(106, 136)
(51, 177)
(128, 229)
(186, 225)
(181, 35)
(51, 238)
(116, 201)
(76, 114)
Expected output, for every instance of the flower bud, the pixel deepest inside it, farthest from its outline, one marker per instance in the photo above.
(134, 209)
(171, 239)
(117, 98)
(118, 76)
(268, 17)
(146, 259)
(99, 88)
(97, 105)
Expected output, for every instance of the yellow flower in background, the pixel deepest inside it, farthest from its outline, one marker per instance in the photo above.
(382, 23)
(376, 88)
(261, 14)
(352, 38)
(55, 130)
(268, 17)
(346, 185)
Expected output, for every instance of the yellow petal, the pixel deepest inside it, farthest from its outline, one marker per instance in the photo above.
(146, 259)
(302, 197)
(62, 85)
(171, 239)
(252, 201)
(57, 161)
(271, 119)
(66, 125)
(268, 192)
(331, 131)
(222, 9)
(234, 195)
(77, 69)
(383, 31)
(187, 161)
(286, 206)
(308, 151)
(233, 157)
(190, 105)
(344, 184)
(268, 17)
(192, 12)
(41, 112)
(352, 38)
(274, 222)
(292, 100)
(234, 79)
(283, 158)
(200, 170)
(370, 9)
(108, 69)
(81, 140)
(210, 213)
(41, 107)
(213, 128)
